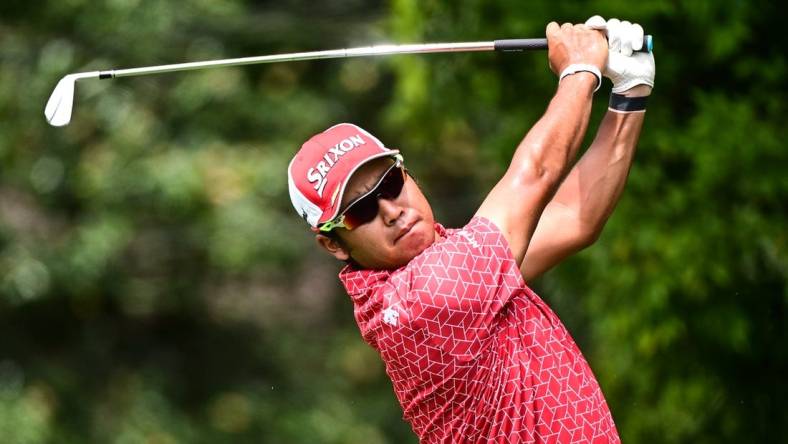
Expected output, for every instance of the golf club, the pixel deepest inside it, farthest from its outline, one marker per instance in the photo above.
(61, 102)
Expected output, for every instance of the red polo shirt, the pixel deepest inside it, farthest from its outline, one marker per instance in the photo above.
(473, 354)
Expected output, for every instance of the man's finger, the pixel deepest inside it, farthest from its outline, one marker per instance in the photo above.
(637, 37)
(552, 29)
(626, 38)
(596, 22)
(614, 35)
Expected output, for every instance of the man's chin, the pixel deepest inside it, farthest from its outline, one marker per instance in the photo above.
(418, 239)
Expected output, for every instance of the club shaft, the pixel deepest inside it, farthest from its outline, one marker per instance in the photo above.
(314, 55)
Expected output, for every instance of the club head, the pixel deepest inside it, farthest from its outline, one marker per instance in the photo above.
(61, 102)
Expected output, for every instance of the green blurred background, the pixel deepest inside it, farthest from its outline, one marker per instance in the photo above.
(156, 286)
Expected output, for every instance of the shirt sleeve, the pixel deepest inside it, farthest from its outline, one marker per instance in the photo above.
(460, 289)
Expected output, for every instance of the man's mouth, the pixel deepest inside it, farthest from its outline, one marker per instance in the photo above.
(405, 230)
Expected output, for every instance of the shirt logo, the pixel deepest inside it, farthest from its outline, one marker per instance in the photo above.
(469, 238)
(390, 316)
(318, 173)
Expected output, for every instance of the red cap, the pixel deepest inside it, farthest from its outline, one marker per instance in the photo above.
(319, 172)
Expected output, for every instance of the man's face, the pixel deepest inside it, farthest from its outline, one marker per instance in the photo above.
(402, 228)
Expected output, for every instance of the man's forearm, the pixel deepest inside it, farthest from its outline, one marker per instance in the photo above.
(593, 187)
(552, 144)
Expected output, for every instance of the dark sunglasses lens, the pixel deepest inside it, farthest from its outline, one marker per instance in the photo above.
(362, 211)
(366, 208)
(391, 185)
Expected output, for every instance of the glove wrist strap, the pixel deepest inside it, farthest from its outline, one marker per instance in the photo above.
(623, 104)
(582, 67)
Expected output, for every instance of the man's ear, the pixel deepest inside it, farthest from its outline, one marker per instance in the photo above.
(332, 246)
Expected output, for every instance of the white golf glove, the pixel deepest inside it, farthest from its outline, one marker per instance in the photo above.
(625, 68)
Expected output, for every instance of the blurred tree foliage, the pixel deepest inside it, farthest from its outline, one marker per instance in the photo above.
(156, 286)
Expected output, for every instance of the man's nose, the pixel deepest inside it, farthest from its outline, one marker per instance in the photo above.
(389, 210)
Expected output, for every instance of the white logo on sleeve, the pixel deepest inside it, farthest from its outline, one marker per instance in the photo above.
(469, 238)
(390, 316)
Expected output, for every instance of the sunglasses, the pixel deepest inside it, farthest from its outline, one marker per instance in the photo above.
(365, 208)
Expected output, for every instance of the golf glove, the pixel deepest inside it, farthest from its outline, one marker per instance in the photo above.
(625, 68)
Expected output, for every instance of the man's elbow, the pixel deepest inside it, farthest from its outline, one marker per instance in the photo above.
(588, 235)
(536, 177)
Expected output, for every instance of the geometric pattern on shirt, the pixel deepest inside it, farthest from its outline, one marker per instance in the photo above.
(474, 354)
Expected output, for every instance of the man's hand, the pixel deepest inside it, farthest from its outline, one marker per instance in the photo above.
(574, 44)
(625, 68)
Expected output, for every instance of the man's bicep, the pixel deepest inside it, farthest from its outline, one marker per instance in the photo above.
(559, 234)
(514, 207)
